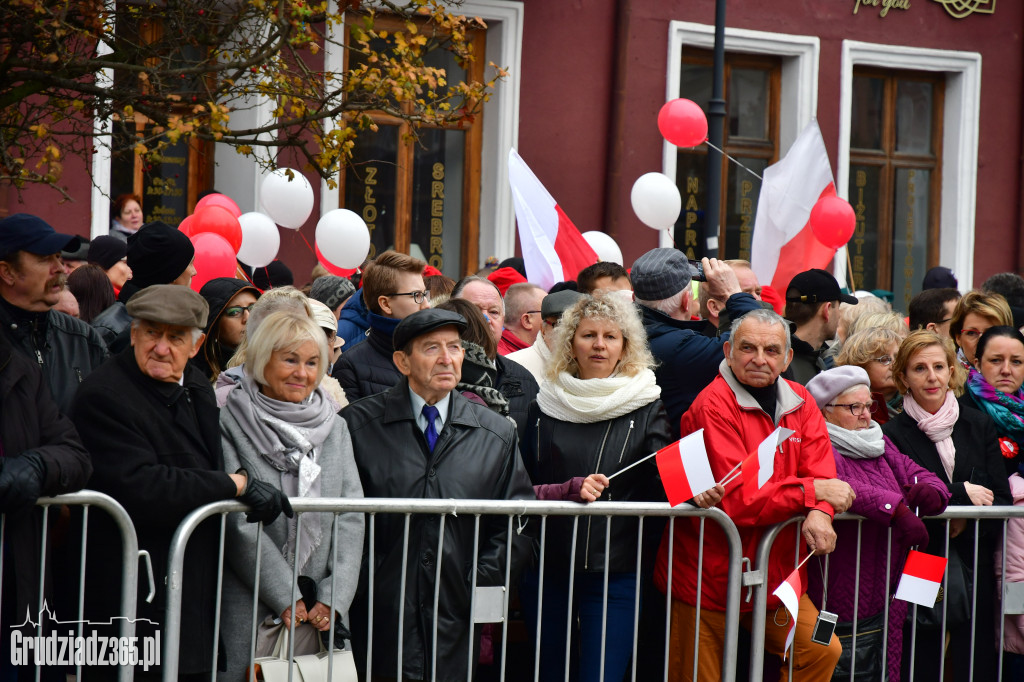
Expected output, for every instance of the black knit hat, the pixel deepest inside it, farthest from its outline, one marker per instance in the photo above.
(158, 254)
(105, 251)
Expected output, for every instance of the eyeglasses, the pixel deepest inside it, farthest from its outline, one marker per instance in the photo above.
(884, 361)
(971, 333)
(856, 409)
(532, 312)
(417, 296)
(237, 310)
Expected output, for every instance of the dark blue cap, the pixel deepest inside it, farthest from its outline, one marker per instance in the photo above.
(25, 232)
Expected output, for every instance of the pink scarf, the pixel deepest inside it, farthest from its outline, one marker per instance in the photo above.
(938, 427)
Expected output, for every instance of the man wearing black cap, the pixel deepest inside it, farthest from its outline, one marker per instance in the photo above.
(157, 254)
(31, 279)
(423, 439)
(159, 455)
(687, 360)
(812, 305)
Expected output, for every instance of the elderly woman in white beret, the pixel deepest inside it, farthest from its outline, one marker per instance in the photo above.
(892, 491)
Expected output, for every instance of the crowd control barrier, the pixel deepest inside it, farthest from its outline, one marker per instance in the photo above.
(488, 604)
(49, 616)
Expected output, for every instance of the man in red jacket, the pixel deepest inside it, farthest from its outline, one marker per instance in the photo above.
(743, 406)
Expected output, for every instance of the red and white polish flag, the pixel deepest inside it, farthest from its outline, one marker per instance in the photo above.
(684, 468)
(553, 248)
(783, 243)
(789, 594)
(921, 579)
(759, 466)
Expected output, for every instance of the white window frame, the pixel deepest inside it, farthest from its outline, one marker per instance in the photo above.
(960, 133)
(799, 96)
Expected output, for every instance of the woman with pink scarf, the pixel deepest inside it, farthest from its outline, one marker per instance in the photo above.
(960, 447)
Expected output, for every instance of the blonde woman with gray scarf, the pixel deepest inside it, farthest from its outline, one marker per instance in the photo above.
(281, 428)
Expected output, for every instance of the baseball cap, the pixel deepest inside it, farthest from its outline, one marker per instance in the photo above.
(816, 286)
(26, 232)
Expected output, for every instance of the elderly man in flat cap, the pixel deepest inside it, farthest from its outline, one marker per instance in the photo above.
(150, 421)
(31, 280)
(422, 438)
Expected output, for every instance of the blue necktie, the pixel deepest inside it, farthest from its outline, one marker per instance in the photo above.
(431, 413)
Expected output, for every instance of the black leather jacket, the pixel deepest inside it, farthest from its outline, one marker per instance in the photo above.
(368, 368)
(66, 349)
(555, 451)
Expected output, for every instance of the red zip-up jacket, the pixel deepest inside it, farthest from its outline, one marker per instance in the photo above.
(734, 424)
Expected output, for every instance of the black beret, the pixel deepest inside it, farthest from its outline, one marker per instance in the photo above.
(423, 322)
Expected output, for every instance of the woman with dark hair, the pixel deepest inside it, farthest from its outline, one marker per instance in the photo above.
(128, 217)
(479, 372)
(230, 300)
(994, 387)
(961, 447)
(92, 288)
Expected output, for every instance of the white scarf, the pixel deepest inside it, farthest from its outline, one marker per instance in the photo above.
(864, 444)
(938, 427)
(586, 401)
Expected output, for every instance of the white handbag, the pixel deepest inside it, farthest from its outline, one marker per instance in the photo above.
(306, 667)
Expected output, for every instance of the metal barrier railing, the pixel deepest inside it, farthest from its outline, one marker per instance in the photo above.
(449, 511)
(87, 499)
(1010, 598)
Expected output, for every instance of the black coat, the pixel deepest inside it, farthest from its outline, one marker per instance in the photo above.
(476, 457)
(368, 368)
(31, 422)
(556, 451)
(517, 384)
(807, 362)
(156, 449)
(978, 460)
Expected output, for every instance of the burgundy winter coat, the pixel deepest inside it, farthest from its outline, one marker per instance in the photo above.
(878, 484)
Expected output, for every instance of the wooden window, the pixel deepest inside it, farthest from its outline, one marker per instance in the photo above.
(894, 187)
(422, 196)
(752, 88)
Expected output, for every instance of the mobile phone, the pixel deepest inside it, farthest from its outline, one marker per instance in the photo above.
(697, 271)
(824, 627)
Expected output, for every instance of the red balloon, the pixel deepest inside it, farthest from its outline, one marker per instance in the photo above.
(214, 258)
(218, 220)
(222, 200)
(833, 221)
(186, 225)
(683, 123)
(332, 268)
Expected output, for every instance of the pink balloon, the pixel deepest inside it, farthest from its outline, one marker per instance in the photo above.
(222, 200)
(683, 123)
(214, 258)
(332, 268)
(218, 220)
(185, 225)
(833, 221)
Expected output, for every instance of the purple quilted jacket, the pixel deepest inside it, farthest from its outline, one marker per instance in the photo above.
(878, 484)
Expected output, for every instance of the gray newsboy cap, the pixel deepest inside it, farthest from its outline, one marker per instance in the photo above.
(558, 302)
(169, 304)
(659, 274)
(832, 382)
(423, 322)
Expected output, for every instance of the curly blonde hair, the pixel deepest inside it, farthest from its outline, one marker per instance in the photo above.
(919, 340)
(636, 356)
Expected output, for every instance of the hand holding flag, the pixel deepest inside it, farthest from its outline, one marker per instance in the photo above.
(684, 468)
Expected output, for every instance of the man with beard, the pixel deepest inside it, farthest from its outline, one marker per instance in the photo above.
(31, 279)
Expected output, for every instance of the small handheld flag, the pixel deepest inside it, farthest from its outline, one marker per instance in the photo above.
(921, 579)
(789, 594)
(758, 467)
(684, 468)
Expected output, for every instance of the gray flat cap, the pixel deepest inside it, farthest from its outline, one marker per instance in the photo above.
(558, 302)
(659, 274)
(169, 304)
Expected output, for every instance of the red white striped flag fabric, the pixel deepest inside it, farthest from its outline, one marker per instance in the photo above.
(783, 243)
(789, 594)
(553, 248)
(759, 466)
(921, 579)
(684, 468)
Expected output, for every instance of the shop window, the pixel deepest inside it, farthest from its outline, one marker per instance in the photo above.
(752, 87)
(420, 193)
(894, 183)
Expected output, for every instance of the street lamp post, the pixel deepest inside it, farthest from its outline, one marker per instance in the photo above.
(716, 135)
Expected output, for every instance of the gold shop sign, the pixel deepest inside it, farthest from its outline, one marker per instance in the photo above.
(961, 9)
(884, 5)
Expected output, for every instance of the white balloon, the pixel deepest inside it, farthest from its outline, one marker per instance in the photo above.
(261, 239)
(288, 202)
(343, 238)
(604, 246)
(656, 200)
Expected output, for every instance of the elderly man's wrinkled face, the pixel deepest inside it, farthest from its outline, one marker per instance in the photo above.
(163, 350)
(433, 363)
(756, 354)
(488, 300)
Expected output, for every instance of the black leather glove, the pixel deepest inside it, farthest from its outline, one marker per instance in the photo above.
(267, 502)
(21, 481)
(923, 497)
(908, 528)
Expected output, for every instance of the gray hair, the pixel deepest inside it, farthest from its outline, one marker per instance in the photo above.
(764, 316)
(196, 331)
(669, 306)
